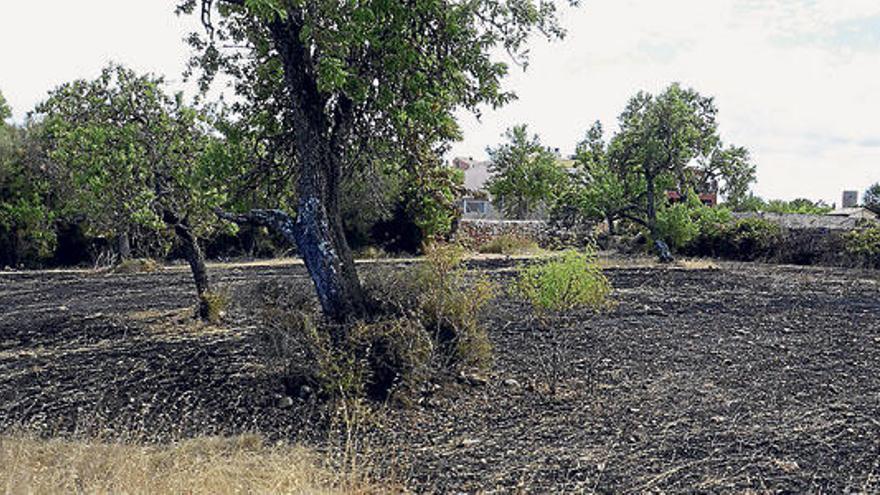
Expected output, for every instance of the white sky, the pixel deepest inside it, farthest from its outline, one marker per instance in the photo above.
(796, 81)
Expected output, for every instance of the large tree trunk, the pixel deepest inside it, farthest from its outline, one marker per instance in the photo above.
(318, 229)
(123, 246)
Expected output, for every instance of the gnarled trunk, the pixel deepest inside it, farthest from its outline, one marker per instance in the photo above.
(318, 230)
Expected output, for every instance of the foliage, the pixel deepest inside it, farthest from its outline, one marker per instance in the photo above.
(510, 244)
(129, 153)
(427, 321)
(27, 213)
(801, 206)
(864, 242)
(871, 199)
(601, 187)
(690, 225)
(675, 225)
(215, 305)
(525, 175)
(570, 281)
(734, 167)
(754, 238)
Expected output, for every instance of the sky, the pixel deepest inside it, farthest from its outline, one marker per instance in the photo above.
(796, 81)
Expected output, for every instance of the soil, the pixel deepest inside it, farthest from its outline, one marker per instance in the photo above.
(718, 377)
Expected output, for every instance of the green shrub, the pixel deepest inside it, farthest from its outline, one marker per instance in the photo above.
(675, 226)
(570, 281)
(510, 244)
(213, 306)
(754, 238)
(864, 244)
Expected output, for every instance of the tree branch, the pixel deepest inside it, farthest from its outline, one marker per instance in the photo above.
(275, 220)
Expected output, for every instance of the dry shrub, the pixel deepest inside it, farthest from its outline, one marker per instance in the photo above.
(137, 265)
(510, 244)
(241, 464)
(213, 306)
(426, 321)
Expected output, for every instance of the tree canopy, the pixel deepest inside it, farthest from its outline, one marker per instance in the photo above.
(526, 176)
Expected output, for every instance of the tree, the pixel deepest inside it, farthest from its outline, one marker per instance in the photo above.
(26, 215)
(602, 187)
(360, 79)
(661, 135)
(525, 174)
(872, 198)
(134, 157)
(732, 167)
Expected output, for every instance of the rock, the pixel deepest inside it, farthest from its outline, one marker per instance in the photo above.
(284, 402)
(468, 442)
(472, 379)
(663, 252)
(511, 383)
(305, 392)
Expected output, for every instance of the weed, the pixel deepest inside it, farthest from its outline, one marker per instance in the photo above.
(137, 265)
(213, 305)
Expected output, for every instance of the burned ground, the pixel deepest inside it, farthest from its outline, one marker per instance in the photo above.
(743, 377)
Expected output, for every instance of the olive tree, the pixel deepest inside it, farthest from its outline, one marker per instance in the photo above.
(359, 79)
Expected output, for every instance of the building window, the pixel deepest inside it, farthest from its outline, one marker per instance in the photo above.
(475, 207)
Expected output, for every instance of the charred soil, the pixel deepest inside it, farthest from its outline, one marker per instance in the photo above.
(727, 379)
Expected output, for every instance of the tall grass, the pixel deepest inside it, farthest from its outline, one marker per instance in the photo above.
(243, 464)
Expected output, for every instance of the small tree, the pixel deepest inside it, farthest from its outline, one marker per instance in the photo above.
(662, 134)
(526, 175)
(602, 188)
(872, 198)
(135, 158)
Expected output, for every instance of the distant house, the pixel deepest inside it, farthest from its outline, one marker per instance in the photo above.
(705, 187)
(476, 202)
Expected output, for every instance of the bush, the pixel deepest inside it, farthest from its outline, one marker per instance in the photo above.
(213, 306)
(438, 293)
(572, 280)
(675, 226)
(864, 244)
(753, 238)
(426, 321)
(510, 244)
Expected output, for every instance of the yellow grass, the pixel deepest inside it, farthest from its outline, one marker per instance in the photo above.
(243, 464)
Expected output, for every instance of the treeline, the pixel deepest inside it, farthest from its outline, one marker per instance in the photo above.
(654, 177)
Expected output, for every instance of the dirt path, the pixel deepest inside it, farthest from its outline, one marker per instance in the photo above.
(730, 378)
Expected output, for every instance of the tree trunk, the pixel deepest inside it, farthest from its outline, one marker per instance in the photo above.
(652, 205)
(196, 259)
(610, 219)
(123, 246)
(318, 229)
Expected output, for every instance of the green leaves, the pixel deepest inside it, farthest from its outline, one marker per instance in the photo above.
(570, 281)
(267, 10)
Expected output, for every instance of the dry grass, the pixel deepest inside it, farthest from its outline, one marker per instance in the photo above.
(241, 464)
